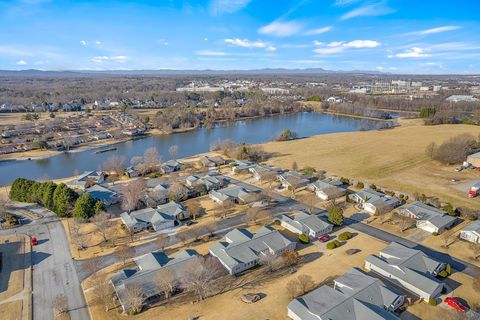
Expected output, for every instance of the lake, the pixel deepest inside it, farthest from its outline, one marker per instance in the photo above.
(190, 143)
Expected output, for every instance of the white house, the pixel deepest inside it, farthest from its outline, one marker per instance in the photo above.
(471, 232)
(304, 223)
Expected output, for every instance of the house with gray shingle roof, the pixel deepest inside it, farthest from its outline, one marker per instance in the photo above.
(175, 210)
(235, 194)
(213, 161)
(243, 250)
(354, 296)
(145, 218)
(261, 172)
(147, 268)
(107, 196)
(170, 166)
(471, 232)
(375, 202)
(93, 177)
(408, 268)
(211, 182)
(327, 189)
(304, 223)
(294, 179)
(428, 218)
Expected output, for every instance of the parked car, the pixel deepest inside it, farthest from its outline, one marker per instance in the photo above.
(324, 238)
(33, 241)
(455, 304)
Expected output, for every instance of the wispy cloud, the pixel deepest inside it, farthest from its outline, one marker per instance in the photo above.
(218, 7)
(210, 53)
(414, 52)
(281, 28)
(344, 3)
(118, 59)
(83, 42)
(340, 46)
(372, 10)
(318, 31)
(98, 42)
(434, 30)
(246, 43)
(21, 62)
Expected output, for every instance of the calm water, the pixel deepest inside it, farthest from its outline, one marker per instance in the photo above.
(189, 143)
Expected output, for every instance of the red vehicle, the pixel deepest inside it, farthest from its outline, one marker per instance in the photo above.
(33, 241)
(324, 238)
(455, 304)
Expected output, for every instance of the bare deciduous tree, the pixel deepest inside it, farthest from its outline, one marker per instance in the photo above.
(161, 241)
(166, 281)
(195, 210)
(290, 258)
(430, 150)
(305, 283)
(475, 247)
(292, 288)
(60, 304)
(151, 159)
(103, 291)
(132, 193)
(182, 236)
(252, 215)
(448, 237)
(125, 252)
(311, 201)
(173, 151)
(115, 165)
(103, 224)
(199, 275)
(268, 260)
(177, 192)
(134, 297)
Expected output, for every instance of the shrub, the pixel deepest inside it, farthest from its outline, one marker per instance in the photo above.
(373, 187)
(233, 165)
(448, 268)
(448, 208)
(432, 302)
(344, 180)
(360, 185)
(309, 170)
(344, 236)
(434, 233)
(286, 135)
(276, 222)
(303, 238)
(333, 244)
(443, 274)
(401, 196)
(427, 112)
(405, 198)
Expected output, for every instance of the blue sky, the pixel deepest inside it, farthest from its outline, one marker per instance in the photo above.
(399, 36)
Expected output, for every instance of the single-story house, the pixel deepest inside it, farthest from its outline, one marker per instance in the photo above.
(131, 172)
(428, 218)
(304, 223)
(471, 232)
(174, 210)
(147, 269)
(107, 196)
(294, 179)
(211, 182)
(170, 166)
(145, 218)
(233, 194)
(335, 99)
(354, 296)
(92, 177)
(408, 268)
(261, 172)
(241, 166)
(243, 250)
(375, 202)
(474, 159)
(327, 189)
(214, 161)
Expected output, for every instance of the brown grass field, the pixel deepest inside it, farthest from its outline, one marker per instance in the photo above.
(393, 159)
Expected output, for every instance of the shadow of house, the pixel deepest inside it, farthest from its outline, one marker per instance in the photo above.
(11, 260)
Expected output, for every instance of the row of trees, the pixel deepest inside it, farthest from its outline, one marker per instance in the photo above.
(454, 150)
(58, 198)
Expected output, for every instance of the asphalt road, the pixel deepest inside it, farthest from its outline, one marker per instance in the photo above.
(53, 269)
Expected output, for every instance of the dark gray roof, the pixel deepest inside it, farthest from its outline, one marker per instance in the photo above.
(355, 296)
(422, 211)
(171, 208)
(473, 227)
(303, 220)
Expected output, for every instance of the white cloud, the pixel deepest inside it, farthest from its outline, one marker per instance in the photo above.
(281, 29)
(218, 7)
(205, 39)
(343, 3)
(435, 30)
(83, 42)
(21, 62)
(271, 49)
(210, 53)
(318, 30)
(246, 43)
(367, 11)
(340, 46)
(100, 59)
(414, 52)
(98, 42)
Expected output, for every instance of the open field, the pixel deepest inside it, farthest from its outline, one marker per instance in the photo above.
(16, 117)
(394, 159)
(228, 305)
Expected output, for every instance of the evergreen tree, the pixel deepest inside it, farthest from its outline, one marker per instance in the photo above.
(63, 200)
(84, 207)
(335, 216)
(48, 191)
